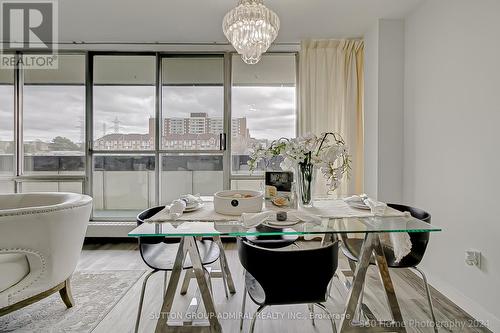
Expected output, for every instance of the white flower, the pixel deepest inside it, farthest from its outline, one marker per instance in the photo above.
(309, 142)
(331, 154)
(342, 150)
(333, 184)
(257, 146)
(339, 173)
(287, 164)
(315, 159)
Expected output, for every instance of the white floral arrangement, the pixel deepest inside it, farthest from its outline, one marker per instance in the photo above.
(330, 156)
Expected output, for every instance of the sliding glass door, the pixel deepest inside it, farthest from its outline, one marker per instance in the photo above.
(192, 125)
(154, 142)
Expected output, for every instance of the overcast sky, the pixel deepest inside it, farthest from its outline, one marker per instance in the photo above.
(50, 111)
(6, 113)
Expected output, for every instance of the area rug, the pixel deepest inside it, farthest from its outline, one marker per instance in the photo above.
(95, 294)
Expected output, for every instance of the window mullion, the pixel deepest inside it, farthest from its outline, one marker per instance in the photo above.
(89, 128)
(227, 120)
(157, 137)
(18, 117)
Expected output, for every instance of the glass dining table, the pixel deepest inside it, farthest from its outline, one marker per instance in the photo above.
(369, 228)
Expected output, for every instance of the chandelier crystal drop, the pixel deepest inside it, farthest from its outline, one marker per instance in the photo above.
(251, 27)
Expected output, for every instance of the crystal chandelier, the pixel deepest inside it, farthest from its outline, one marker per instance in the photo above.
(251, 27)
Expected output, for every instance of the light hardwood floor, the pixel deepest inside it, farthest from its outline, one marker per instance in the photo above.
(411, 295)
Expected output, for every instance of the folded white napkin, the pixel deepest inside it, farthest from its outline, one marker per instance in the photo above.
(191, 200)
(176, 208)
(254, 219)
(376, 207)
(250, 220)
(399, 242)
(170, 213)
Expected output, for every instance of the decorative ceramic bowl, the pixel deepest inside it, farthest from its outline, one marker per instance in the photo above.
(236, 202)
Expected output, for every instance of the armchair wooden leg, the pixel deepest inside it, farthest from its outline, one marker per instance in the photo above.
(66, 295)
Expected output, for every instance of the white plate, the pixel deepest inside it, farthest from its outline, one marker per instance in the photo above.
(286, 223)
(358, 205)
(193, 208)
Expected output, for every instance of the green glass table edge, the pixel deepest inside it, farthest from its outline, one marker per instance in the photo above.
(278, 233)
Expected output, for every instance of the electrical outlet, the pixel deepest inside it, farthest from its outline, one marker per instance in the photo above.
(473, 258)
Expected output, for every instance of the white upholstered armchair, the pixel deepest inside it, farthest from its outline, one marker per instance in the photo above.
(41, 237)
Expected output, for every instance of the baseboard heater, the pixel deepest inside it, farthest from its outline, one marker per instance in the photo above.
(109, 229)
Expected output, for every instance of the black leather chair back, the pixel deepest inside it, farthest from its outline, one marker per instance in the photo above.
(151, 247)
(292, 276)
(419, 240)
(140, 220)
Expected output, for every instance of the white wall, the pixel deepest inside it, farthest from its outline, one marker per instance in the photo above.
(451, 144)
(384, 77)
(371, 112)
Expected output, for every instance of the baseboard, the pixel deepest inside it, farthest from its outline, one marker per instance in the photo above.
(470, 306)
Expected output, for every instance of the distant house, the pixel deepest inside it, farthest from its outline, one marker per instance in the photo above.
(118, 141)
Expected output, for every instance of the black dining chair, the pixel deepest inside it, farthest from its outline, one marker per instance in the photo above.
(283, 277)
(159, 253)
(351, 248)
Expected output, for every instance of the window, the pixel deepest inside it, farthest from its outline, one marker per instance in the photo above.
(192, 102)
(263, 106)
(124, 107)
(6, 125)
(54, 118)
(124, 102)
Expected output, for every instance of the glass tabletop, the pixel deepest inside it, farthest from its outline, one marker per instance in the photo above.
(373, 224)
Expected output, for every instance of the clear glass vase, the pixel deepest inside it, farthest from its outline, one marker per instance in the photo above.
(305, 175)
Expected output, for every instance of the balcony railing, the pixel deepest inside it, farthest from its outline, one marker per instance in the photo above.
(128, 183)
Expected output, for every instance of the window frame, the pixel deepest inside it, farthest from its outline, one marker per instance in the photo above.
(86, 179)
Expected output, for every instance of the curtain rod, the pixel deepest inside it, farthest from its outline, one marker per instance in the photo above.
(153, 43)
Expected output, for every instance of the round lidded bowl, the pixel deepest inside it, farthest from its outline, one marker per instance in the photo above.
(236, 202)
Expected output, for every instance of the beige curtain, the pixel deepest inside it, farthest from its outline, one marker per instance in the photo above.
(331, 99)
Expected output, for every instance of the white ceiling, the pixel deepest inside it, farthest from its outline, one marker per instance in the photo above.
(193, 21)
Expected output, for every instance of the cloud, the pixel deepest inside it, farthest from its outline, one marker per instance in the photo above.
(50, 111)
(131, 105)
(270, 111)
(181, 101)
